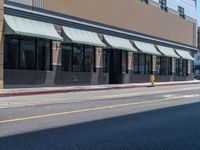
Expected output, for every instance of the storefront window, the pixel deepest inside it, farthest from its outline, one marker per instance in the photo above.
(136, 63)
(89, 58)
(181, 67)
(185, 67)
(27, 53)
(166, 66)
(142, 64)
(67, 57)
(192, 66)
(148, 64)
(11, 50)
(177, 67)
(43, 54)
(124, 62)
(158, 65)
(105, 61)
(78, 57)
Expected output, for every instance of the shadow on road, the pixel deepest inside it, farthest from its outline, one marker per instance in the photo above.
(175, 128)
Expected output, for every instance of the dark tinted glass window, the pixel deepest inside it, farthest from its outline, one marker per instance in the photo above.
(166, 64)
(181, 12)
(148, 64)
(105, 61)
(67, 57)
(88, 58)
(11, 53)
(78, 58)
(185, 67)
(158, 65)
(136, 63)
(142, 63)
(124, 62)
(27, 54)
(177, 67)
(43, 54)
(163, 4)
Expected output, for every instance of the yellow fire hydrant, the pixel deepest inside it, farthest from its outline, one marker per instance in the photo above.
(152, 79)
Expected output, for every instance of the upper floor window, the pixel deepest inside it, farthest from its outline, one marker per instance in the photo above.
(163, 4)
(146, 1)
(181, 12)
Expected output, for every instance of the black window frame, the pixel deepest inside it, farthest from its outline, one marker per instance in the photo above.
(145, 1)
(163, 5)
(181, 12)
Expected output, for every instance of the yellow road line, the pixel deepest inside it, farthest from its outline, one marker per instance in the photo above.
(95, 109)
(74, 100)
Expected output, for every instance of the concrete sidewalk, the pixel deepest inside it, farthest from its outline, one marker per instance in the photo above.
(54, 90)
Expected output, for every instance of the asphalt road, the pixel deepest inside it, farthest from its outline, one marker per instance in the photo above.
(160, 118)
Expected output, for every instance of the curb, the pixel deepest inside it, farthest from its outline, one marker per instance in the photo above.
(28, 93)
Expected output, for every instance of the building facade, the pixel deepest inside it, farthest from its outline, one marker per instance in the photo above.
(198, 38)
(197, 57)
(76, 42)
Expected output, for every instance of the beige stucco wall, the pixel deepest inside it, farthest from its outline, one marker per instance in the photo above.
(1, 44)
(26, 2)
(129, 14)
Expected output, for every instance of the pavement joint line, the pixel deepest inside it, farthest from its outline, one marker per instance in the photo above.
(74, 100)
(95, 109)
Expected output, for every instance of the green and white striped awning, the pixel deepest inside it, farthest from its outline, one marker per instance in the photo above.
(82, 37)
(185, 54)
(146, 48)
(119, 43)
(167, 51)
(29, 27)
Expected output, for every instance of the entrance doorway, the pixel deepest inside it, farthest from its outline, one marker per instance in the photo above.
(116, 62)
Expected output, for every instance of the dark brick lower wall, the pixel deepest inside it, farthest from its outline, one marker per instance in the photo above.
(28, 78)
(56, 77)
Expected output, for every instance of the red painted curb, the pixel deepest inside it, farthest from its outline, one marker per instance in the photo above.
(28, 93)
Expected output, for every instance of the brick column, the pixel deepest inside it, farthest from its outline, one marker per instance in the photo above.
(130, 61)
(56, 53)
(99, 58)
(56, 64)
(1, 44)
(97, 76)
(173, 66)
(189, 67)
